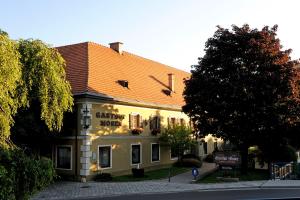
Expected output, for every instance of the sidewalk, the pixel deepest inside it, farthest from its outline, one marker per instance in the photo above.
(187, 177)
(73, 190)
(179, 183)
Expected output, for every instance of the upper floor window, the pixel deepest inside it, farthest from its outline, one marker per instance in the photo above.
(155, 123)
(135, 121)
(182, 122)
(172, 122)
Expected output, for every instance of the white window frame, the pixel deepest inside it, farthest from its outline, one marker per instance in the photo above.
(158, 153)
(174, 158)
(170, 120)
(141, 155)
(71, 157)
(156, 124)
(135, 114)
(98, 156)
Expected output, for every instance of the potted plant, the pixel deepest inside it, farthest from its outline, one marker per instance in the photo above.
(136, 131)
(137, 172)
(155, 131)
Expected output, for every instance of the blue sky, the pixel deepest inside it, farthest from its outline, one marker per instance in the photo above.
(172, 32)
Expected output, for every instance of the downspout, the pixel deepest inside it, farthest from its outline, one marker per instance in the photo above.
(76, 147)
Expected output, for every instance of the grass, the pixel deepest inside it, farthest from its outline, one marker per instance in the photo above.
(152, 175)
(252, 175)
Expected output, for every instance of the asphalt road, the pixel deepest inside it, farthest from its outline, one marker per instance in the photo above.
(245, 194)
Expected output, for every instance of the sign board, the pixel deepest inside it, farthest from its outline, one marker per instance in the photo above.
(110, 119)
(229, 158)
(195, 172)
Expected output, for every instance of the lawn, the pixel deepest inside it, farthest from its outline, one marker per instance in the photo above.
(251, 176)
(152, 175)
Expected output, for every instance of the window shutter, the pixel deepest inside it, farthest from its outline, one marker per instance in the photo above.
(151, 123)
(177, 121)
(169, 122)
(130, 121)
(158, 123)
(140, 122)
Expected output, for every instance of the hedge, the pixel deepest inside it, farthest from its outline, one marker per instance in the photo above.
(21, 175)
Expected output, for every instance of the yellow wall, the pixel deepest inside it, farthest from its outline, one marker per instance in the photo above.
(126, 110)
(121, 137)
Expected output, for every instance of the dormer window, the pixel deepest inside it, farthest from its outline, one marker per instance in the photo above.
(123, 83)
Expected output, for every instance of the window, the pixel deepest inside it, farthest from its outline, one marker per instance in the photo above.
(174, 153)
(182, 122)
(155, 123)
(205, 147)
(155, 152)
(63, 157)
(135, 121)
(105, 156)
(216, 146)
(135, 154)
(171, 122)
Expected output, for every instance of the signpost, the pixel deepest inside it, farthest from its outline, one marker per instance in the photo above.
(195, 172)
(228, 161)
(229, 158)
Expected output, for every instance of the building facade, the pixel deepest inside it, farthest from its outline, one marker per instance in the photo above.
(122, 104)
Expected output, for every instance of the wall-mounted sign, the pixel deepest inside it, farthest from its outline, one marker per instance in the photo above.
(110, 119)
(228, 158)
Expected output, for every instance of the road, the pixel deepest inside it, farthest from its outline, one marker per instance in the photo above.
(241, 194)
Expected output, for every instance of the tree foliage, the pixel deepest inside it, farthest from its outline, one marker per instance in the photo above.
(10, 79)
(31, 74)
(45, 81)
(244, 89)
(179, 138)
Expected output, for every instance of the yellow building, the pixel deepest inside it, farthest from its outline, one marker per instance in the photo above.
(122, 103)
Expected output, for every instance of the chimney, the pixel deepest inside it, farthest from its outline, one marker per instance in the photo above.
(117, 46)
(171, 82)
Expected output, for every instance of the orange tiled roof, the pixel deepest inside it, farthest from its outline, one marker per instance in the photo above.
(93, 68)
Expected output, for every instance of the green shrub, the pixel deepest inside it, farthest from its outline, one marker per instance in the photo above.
(24, 174)
(6, 186)
(191, 156)
(285, 154)
(103, 177)
(209, 158)
(191, 162)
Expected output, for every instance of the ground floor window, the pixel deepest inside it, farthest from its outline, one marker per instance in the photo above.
(155, 152)
(174, 153)
(216, 146)
(105, 156)
(63, 157)
(135, 154)
(205, 147)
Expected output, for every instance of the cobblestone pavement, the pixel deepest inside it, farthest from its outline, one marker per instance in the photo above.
(73, 190)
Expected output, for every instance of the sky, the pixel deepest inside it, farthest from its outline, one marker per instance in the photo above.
(172, 32)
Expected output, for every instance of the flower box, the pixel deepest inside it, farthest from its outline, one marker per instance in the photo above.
(136, 131)
(155, 131)
(138, 173)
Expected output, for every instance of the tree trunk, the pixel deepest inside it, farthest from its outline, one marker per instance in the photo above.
(244, 154)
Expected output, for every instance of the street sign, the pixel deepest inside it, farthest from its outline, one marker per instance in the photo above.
(228, 158)
(195, 172)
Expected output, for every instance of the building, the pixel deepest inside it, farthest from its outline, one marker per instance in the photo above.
(122, 103)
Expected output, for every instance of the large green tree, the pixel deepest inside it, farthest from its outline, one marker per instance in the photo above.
(242, 89)
(10, 80)
(32, 79)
